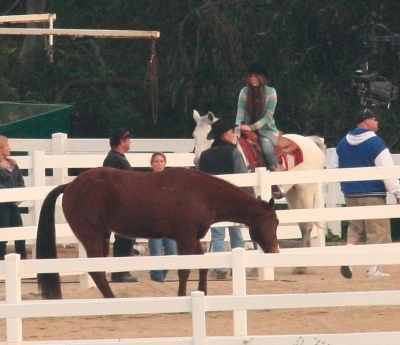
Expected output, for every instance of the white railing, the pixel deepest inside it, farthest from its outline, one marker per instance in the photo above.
(60, 154)
(263, 180)
(13, 269)
(14, 310)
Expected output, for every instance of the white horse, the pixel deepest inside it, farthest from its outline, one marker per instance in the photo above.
(298, 196)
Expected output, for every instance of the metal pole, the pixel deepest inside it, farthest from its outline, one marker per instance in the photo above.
(26, 18)
(82, 33)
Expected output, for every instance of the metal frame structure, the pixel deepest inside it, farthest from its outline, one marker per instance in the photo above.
(74, 33)
(50, 17)
(28, 18)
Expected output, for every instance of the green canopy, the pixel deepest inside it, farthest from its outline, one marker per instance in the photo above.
(34, 120)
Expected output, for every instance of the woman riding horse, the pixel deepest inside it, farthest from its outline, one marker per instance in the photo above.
(256, 108)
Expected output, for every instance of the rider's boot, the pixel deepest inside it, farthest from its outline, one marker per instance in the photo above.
(277, 192)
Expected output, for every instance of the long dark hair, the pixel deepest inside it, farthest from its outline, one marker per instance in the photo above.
(255, 100)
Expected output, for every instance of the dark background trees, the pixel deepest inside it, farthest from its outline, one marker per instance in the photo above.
(310, 47)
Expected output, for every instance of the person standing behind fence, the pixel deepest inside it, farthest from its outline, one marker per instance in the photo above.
(363, 148)
(223, 158)
(160, 246)
(10, 216)
(120, 143)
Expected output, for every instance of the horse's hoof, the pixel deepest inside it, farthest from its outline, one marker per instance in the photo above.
(299, 270)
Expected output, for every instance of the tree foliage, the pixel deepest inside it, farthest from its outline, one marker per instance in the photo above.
(310, 47)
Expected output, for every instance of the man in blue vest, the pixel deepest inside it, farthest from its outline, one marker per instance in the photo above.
(363, 148)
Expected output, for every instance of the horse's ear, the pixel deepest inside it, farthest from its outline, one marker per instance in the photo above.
(259, 197)
(196, 116)
(271, 202)
(211, 117)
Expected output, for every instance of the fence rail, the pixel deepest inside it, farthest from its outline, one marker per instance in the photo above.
(14, 309)
(13, 269)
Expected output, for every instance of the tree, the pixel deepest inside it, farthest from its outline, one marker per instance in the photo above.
(32, 44)
(311, 48)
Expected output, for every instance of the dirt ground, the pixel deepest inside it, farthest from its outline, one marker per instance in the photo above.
(293, 321)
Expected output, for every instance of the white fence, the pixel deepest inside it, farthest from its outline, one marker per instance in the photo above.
(59, 154)
(14, 310)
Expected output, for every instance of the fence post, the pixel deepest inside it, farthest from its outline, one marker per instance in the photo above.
(13, 296)
(58, 147)
(85, 280)
(265, 273)
(239, 289)
(38, 179)
(332, 200)
(265, 185)
(59, 142)
(198, 318)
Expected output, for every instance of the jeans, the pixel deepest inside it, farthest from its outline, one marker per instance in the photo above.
(268, 149)
(157, 247)
(218, 240)
(11, 217)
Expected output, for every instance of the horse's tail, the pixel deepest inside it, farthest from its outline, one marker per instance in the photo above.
(48, 283)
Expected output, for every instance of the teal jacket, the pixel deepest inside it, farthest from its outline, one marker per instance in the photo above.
(265, 126)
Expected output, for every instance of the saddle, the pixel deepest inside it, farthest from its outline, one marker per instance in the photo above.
(287, 150)
(248, 140)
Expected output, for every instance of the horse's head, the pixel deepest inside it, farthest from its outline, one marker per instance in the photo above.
(264, 231)
(203, 127)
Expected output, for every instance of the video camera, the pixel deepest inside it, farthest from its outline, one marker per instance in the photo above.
(372, 88)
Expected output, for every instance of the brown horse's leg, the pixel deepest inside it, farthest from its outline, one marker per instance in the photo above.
(106, 244)
(183, 278)
(202, 272)
(95, 248)
(185, 247)
(102, 283)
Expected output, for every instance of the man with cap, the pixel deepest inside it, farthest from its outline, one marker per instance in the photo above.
(120, 143)
(224, 158)
(363, 148)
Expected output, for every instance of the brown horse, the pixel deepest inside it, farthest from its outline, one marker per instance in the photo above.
(177, 203)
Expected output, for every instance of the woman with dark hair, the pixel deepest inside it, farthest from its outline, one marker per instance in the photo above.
(256, 107)
(10, 177)
(160, 246)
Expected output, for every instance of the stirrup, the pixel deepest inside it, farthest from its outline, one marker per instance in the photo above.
(277, 192)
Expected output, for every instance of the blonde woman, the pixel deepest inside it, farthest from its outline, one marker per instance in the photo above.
(10, 177)
(160, 246)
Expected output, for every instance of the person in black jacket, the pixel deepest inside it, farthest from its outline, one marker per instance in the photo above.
(120, 143)
(224, 158)
(10, 216)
